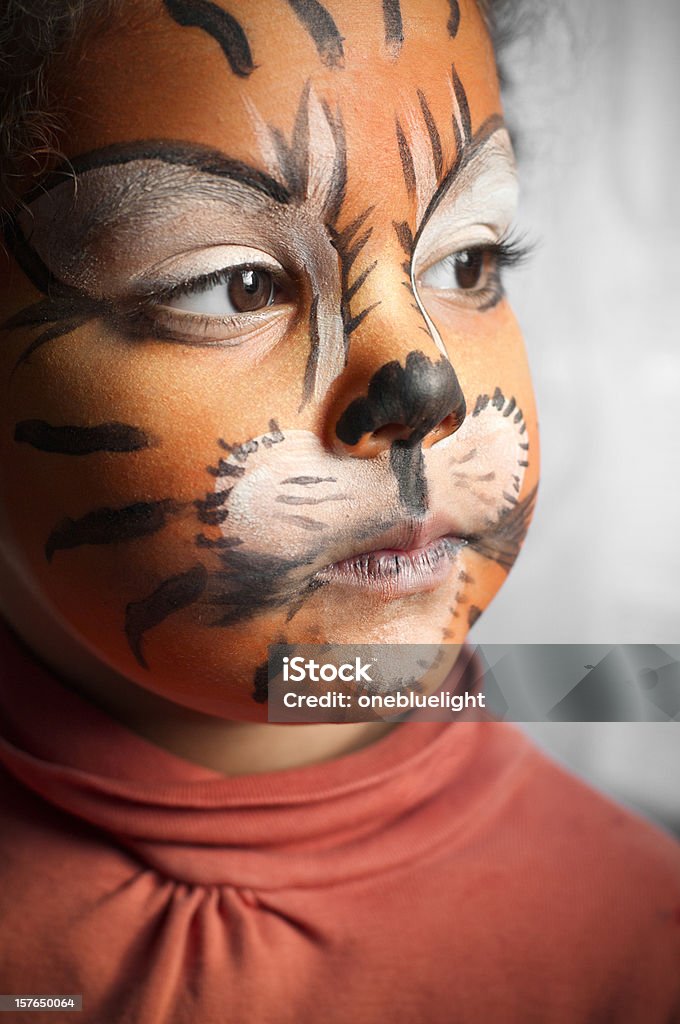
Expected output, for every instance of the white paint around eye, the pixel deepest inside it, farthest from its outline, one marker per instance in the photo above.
(478, 207)
(322, 154)
(209, 260)
(264, 138)
(421, 153)
(456, 111)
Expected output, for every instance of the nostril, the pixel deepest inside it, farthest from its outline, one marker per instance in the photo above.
(449, 425)
(373, 442)
(391, 432)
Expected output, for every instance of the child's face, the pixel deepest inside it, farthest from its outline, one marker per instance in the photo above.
(264, 334)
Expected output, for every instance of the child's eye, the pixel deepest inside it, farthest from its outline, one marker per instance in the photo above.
(234, 291)
(224, 305)
(472, 276)
(463, 271)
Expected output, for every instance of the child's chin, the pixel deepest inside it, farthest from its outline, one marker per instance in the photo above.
(223, 671)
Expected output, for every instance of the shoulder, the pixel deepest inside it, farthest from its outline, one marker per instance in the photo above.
(593, 880)
(581, 826)
(578, 897)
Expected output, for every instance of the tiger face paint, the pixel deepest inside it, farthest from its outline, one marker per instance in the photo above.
(261, 383)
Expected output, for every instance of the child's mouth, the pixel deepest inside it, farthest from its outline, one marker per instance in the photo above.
(395, 572)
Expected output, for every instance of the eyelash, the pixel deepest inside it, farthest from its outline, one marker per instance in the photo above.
(196, 285)
(511, 250)
(144, 315)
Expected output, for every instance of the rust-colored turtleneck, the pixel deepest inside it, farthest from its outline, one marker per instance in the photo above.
(446, 874)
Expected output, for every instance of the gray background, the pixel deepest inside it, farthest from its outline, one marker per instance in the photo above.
(594, 104)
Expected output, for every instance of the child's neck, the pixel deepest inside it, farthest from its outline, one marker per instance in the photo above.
(232, 748)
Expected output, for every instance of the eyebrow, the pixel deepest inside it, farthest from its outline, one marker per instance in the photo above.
(204, 160)
(215, 177)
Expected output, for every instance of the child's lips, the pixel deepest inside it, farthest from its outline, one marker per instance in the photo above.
(408, 559)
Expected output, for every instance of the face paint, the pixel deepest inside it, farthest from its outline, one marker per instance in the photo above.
(323, 30)
(105, 437)
(274, 334)
(222, 26)
(394, 28)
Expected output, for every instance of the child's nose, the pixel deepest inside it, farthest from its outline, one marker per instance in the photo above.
(398, 385)
(417, 401)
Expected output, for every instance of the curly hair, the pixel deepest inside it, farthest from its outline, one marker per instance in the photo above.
(33, 34)
(36, 33)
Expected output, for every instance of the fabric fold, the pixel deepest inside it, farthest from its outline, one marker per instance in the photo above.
(320, 823)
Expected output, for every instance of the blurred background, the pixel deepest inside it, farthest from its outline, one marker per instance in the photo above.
(592, 105)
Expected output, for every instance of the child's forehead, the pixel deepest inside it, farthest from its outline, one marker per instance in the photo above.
(213, 73)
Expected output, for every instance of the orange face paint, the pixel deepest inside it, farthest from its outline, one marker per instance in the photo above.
(262, 380)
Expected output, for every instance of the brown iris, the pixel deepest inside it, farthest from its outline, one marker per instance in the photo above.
(469, 265)
(250, 289)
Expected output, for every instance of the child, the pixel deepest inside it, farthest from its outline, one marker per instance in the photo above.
(261, 385)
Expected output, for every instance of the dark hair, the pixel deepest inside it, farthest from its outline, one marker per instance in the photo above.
(36, 33)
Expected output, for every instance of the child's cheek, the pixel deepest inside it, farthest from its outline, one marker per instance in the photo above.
(109, 450)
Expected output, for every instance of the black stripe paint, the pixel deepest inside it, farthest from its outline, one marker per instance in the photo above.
(171, 596)
(344, 237)
(295, 499)
(224, 468)
(261, 683)
(24, 254)
(473, 614)
(407, 167)
(312, 364)
(353, 251)
(453, 23)
(251, 583)
(405, 235)
(72, 440)
(355, 321)
(349, 247)
(294, 158)
(202, 541)
(184, 154)
(67, 316)
(394, 29)
(480, 404)
(435, 140)
(305, 481)
(408, 466)
(463, 105)
(111, 525)
(306, 523)
(492, 124)
(323, 30)
(360, 280)
(503, 539)
(219, 24)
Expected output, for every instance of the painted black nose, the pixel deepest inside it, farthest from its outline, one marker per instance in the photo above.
(421, 402)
